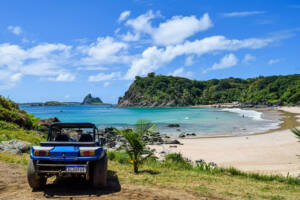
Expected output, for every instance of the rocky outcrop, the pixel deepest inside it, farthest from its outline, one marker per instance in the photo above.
(89, 100)
(15, 146)
(133, 99)
(46, 122)
(114, 141)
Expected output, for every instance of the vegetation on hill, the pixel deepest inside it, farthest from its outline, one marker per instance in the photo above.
(17, 124)
(91, 100)
(10, 112)
(53, 103)
(160, 90)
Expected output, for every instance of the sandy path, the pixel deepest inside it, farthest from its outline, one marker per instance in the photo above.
(13, 185)
(274, 153)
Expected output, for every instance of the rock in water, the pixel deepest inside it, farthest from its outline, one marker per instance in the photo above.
(88, 100)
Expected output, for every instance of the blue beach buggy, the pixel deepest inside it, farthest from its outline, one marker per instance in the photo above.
(71, 149)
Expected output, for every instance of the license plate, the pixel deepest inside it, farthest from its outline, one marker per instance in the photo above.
(76, 169)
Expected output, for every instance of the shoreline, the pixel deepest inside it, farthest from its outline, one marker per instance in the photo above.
(271, 152)
(287, 120)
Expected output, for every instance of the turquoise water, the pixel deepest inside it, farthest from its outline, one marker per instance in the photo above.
(203, 121)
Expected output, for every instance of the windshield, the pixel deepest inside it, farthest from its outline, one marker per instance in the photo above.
(72, 134)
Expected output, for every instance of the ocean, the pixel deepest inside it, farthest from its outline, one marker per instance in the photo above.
(202, 121)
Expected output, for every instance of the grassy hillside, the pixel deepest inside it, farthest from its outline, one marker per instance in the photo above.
(159, 90)
(17, 124)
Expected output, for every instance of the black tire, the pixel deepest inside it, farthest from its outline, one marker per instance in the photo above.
(100, 173)
(34, 180)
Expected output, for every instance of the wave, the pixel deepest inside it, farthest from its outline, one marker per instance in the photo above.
(246, 113)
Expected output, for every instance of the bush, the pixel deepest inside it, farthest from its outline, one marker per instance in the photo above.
(120, 157)
(176, 160)
(9, 126)
(10, 112)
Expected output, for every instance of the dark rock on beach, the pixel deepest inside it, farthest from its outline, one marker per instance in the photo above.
(173, 125)
(172, 142)
(191, 134)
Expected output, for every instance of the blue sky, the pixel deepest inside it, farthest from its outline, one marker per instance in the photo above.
(62, 50)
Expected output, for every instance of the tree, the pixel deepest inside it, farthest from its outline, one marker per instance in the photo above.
(296, 132)
(136, 147)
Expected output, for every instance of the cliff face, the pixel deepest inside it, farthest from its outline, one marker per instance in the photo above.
(167, 91)
(91, 100)
(133, 98)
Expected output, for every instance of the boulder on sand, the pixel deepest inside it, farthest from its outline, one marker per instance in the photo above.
(171, 142)
(15, 146)
(173, 125)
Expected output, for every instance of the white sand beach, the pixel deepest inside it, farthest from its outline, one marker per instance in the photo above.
(270, 153)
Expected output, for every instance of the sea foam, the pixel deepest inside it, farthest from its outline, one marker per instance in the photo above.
(246, 113)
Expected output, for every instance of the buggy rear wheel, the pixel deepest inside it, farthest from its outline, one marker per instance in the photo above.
(34, 180)
(100, 173)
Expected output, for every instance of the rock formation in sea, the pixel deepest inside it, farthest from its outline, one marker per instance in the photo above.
(88, 100)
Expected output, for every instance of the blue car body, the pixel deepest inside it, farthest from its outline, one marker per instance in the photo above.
(63, 157)
(66, 153)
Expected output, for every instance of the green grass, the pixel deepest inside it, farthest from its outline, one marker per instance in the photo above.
(228, 183)
(10, 131)
(224, 183)
(13, 158)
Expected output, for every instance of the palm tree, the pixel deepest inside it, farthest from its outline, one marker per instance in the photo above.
(136, 148)
(296, 132)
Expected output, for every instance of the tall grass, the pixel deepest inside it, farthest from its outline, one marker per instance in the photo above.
(176, 161)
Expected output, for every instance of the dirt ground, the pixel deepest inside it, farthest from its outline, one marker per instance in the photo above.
(13, 185)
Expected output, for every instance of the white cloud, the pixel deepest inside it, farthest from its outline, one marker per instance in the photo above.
(143, 22)
(106, 84)
(17, 30)
(172, 31)
(105, 51)
(248, 58)
(65, 77)
(243, 14)
(129, 37)
(153, 57)
(226, 62)
(104, 77)
(124, 15)
(273, 61)
(178, 28)
(41, 60)
(92, 68)
(189, 61)
(181, 72)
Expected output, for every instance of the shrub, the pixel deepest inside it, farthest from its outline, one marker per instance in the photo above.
(176, 160)
(136, 148)
(120, 157)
